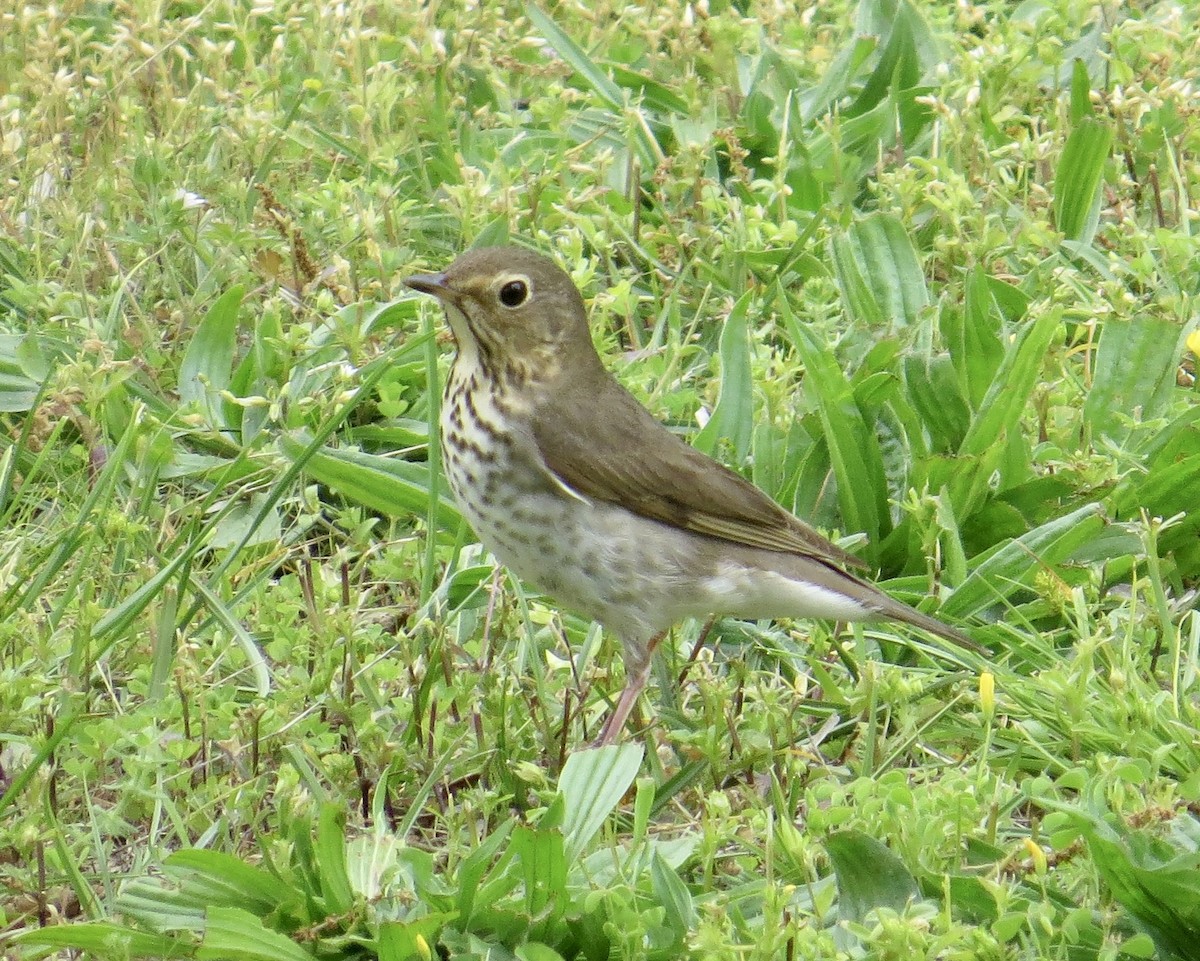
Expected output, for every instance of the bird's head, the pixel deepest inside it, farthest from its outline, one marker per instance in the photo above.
(510, 309)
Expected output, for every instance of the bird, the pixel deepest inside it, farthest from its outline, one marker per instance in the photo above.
(571, 483)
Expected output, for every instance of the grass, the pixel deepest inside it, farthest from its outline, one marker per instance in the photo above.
(925, 273)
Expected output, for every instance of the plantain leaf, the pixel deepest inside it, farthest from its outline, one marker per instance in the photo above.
(385, 484)
(232, 934)
(106, 940)
(1134, 374)
(984, 450)
(853, 446)
(1002, 573)
(592, 784)
(879, 273)
(1077, 180)
(868, 875)
(207, 365)
(732, 418)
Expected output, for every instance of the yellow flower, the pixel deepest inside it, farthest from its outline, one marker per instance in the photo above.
(1037, 856)
(987, 694)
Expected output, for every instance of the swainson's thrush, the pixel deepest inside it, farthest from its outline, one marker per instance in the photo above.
(575, 486)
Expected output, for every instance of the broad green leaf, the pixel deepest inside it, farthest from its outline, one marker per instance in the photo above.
(857, 294)
(592, 784)
(231, 934)
(543, 870)
(933, 390)
(983, 450)
(869, 876)
(207, 365)
(217, 877)
(979, 351)
(674, 896)
(879, 272)
(1018, 562)
(732, 418)
(853, 446)
(412, 938)
(1081, 93)
(385, 484)
(1134, 374)
(19, 373)
(836, 81)
(1078, 177)
(1155, 878)
(330, 851)
(898, 67)
(246, 524)
(1167, 489)
(106, 940)
(476, 866)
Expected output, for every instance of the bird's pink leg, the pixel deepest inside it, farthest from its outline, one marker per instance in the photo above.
(616, 720)
(634, 684)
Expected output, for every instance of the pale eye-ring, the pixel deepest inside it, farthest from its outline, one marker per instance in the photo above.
(514, 293)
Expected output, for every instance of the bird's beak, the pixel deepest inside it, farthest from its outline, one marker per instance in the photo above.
(430, 284)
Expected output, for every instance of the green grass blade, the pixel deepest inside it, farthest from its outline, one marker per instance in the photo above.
(385, 484)
(573, 54)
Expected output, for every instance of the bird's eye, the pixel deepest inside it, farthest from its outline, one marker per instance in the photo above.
(514, 293)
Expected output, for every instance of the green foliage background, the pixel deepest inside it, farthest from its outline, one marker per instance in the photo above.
(924, 272)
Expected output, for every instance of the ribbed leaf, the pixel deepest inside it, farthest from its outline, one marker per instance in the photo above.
(231, 934)
(543, 869)
(932, 388)
(106, 940)
(1155, 879)
(1081, 92)
(732, 418)
(879, 272)
(853, 447)
(330, 851)
(217, 877)
(592, 784)
(385, 484)
(869, 876)
(981, 350)
(1019, 561)
(207, 364)
(984, 448)
(674, 897)
(1077, 180)
(1134, 374)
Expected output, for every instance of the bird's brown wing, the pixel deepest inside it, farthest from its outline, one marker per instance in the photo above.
(593, 450)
